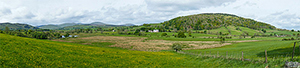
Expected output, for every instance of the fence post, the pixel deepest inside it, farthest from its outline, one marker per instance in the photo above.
(266, 59)
(293, 50)
(209, 53)
(218, 54)
(226, 54)
(201, 53)
(242, 56)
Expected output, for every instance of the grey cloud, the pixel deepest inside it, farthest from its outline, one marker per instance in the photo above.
(279, 13)
(249, 3)
(179, 5)
(284, 20)
(245, 4)
(5, 11)
(25, 16)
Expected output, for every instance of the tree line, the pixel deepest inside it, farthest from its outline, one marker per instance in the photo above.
(36, 33)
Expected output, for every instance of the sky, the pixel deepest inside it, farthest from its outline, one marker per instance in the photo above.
(284, 14)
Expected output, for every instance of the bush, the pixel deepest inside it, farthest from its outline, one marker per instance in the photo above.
(181, 35)
(252, 36)
(284, 39)
(222, 40)
(190, 34)
(67, 34)
(177, 46)
(164, 34)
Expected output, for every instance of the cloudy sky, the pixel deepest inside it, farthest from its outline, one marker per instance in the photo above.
(280, 13)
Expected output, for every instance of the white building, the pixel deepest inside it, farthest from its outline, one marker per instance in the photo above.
(63, 37)
(155, 30)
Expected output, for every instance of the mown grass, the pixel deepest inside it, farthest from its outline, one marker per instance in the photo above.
(27, 52)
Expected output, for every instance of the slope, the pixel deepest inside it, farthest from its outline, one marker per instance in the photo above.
(232, 30)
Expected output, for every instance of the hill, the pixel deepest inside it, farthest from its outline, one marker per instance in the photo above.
(212, 21)
(16, 26)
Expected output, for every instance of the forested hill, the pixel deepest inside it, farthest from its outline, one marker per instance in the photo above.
(212, 21)
(16, 26)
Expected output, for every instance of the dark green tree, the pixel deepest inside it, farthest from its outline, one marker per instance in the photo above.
(190, 34)
(137, 32)
(181, 35)
(67, 34)
(6, 29)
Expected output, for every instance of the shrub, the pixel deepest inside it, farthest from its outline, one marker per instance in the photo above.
(190, 34)
(222, 40)
(292, 38)
(67, 34)
(181, 35)
(164, 34)
(177, 46)
(252, 36)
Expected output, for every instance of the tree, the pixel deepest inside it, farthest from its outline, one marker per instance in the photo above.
(190, 34)
(177, 46)
(264, 30)
(6, 29)
(292, 30)
(137, 31)
(67, 34)
(222, 39)
(252, 36)
(181, 35)
(164, 34)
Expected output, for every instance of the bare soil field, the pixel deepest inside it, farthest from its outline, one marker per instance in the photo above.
(142, 44)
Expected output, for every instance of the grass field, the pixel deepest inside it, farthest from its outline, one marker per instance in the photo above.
(116, 50)
(278, 51)
(26, 52)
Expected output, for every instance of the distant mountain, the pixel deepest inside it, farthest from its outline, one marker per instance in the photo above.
(51, 26)
(128, 24)
(70, 26)
(16, 26)
(91, 25)
(97, 23)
